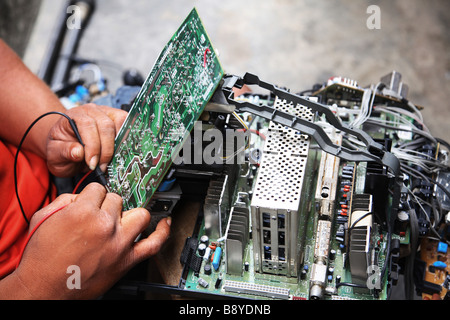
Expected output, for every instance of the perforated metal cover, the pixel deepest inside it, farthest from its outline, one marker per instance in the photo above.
(283, 163)
(277, 195)
(297, 110)
(286, 143)
(279, 182)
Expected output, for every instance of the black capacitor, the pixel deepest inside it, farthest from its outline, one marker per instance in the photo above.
(246, 266)
(218, 282)
(207, 269)
(330, 270)
(338, 279)
(133, 77)
(204, 239)
(303, 274)
(332, 254)
(201, 249)
(220, 122)
(402, 222)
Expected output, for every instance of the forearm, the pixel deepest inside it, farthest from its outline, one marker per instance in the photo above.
(12, 288)
(23, 98)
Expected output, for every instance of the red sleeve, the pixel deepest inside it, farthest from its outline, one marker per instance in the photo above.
(35, 191)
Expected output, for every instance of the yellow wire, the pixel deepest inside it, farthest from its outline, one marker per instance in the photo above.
(238, 118)
(242, 122)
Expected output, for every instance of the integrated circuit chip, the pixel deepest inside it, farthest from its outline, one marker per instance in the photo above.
(172, 98)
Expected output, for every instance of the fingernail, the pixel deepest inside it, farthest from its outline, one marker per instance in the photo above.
(76, 153)
(93, 162)
(103, 167)
(169, 220)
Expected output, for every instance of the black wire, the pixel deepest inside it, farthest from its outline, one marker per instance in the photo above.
(409, 263)
(74, 127)
(350, 284)
(359, 219)
(417, 174)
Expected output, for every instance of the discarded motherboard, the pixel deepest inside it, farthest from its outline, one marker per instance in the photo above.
(172, 98)
(302, 223)
(335, 192)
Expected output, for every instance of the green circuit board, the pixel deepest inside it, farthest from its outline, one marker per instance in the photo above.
(297, 287)
(174, 95)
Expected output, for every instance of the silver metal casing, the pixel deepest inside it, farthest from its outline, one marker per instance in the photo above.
(277, 195)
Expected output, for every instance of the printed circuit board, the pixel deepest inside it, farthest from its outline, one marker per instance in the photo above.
(172, 98)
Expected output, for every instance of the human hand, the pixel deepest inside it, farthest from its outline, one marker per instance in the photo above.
(97, 126)
(92, 233)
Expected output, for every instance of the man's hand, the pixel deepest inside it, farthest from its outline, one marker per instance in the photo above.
(92, 233)
(97, 126)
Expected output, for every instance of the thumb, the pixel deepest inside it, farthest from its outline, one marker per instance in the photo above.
(149, 246)
(62, 155)
(65, 151)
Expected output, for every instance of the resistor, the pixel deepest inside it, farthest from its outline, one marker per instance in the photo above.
(346, 188)
(207, 254)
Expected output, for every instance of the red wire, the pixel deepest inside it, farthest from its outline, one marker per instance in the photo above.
(34, 230)
(204, 57)
(48, 216)
(81, 181)
(258, 133)
(262, 136)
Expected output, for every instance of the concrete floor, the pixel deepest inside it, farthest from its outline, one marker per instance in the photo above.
(292, 43)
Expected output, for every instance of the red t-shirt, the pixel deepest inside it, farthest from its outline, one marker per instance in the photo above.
(35, 191)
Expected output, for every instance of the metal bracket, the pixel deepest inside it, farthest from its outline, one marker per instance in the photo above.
(374, 151)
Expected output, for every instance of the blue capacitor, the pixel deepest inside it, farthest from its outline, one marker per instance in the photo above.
(442, 247)
(217, 257)
(440, 264)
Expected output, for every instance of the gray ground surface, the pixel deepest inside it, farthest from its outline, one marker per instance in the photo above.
(292, 43)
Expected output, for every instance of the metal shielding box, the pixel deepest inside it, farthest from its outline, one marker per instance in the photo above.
(277, 195)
